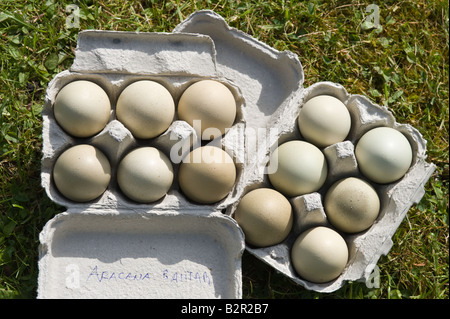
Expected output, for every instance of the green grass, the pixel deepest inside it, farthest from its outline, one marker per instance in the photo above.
(402, 64)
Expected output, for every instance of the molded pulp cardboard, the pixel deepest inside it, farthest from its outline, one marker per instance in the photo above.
(266, 78)
(169, 249)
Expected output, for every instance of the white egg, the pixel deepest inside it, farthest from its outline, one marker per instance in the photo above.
(82, 108)
(265, 216)
(301, 168)
(209, 107)
(383, 154)
(82, 173)
(351, 205)
(146, 108)
(324, 120)
(319, 254)
(145, 174)
(207, 174)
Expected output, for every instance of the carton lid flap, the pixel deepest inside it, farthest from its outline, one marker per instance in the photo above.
(144, 53)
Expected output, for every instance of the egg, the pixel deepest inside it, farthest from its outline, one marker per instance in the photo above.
(297, 168)
(351, 205)
(82, 108)
(265, 216)
(211, 103)
(324, 120)
(145, 174)
(146, 108)
(82, 173)
(383, 155)
(207, 174)
(319, 254)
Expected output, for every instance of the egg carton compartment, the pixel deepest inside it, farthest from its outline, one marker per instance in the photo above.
(365, 247)
(115, 139)
(175, 254)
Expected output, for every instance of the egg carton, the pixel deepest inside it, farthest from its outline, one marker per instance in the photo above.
(268, 87)
(114, 247)
(365, 248)
(164, 58)
(272, 85)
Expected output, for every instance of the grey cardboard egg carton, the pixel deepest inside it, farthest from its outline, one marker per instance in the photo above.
(113, 247)
(267, 78)
(97, 59)
(268, 87)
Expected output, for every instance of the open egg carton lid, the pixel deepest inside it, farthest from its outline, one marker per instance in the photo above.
(121, 255)
(270, 81)
(272, 85)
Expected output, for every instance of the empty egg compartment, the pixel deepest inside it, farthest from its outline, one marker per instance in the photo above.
(364, 247)
(116, 140)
